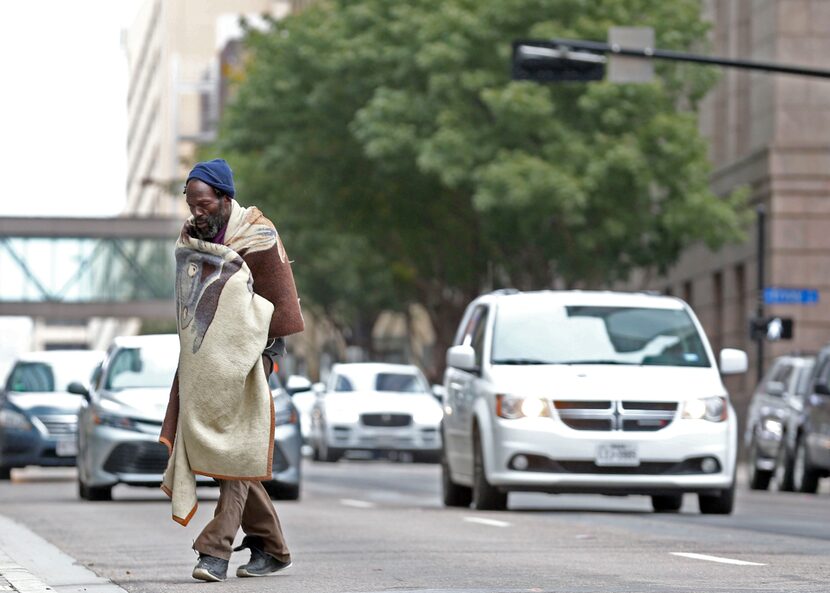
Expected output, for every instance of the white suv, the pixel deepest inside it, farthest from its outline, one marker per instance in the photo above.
(587, 392)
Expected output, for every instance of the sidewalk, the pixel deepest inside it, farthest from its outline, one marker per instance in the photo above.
(30, 564)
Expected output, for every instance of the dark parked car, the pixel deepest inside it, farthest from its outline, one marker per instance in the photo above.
(808, 444)
(774, 411)
(38, 416)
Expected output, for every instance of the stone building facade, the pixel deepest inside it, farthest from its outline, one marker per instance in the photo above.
(770, 133)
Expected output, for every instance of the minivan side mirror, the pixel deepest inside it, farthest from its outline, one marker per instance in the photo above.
(296, 384)
(78, 389)
(462, 357)
(733, 361)
(775, 388)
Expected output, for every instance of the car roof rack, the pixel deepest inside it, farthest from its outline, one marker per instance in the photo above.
(500, 291)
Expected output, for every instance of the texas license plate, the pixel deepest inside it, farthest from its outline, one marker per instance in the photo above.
(66, 448)
(617, 455)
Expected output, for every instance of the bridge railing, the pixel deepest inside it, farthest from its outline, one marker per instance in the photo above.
(83, 267)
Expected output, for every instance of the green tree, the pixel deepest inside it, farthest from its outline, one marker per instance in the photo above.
(395, 126)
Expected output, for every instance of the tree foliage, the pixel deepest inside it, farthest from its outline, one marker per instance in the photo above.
(389, 142)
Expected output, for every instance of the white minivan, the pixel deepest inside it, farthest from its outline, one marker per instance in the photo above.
(587, 392)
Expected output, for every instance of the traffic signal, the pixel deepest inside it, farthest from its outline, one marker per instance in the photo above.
(542, 61)
(771, 328)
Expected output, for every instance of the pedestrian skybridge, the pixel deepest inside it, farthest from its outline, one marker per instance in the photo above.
(76, 268)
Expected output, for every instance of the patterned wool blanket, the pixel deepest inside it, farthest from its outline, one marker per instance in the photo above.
(225, 424)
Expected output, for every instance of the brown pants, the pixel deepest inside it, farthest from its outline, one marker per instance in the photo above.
(246, 504)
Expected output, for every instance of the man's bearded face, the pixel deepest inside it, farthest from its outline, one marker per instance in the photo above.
(207, 226)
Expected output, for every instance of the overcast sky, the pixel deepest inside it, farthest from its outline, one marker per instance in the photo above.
(63, 107)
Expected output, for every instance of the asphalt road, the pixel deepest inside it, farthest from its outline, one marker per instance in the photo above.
(379, 526)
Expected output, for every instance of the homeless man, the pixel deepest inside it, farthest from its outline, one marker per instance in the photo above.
(235, 299)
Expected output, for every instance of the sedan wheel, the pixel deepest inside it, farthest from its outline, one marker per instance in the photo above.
(485, 496)
(94, 492)
(758, 479)
(329, 454)
(783, 472)
(805, 477)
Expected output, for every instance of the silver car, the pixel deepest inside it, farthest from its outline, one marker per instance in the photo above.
(120, 421)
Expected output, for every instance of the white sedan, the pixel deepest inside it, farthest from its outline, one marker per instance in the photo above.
(376, 407)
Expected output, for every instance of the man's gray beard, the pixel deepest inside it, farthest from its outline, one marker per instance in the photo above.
(214, 224)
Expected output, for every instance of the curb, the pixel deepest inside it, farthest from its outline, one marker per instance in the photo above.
(18, 578)
(30, 564)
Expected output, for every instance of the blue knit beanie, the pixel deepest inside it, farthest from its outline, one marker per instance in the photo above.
(216, 173)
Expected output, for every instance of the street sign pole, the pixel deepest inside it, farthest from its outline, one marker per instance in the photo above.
(759, 311)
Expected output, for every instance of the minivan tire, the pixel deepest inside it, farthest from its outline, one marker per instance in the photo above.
(805, 476)
(5, 473)
(454, 495)
(758, 479)
(486, 497)
(666, 503)
(717, 504)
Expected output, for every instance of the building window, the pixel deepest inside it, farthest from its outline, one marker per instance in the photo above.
(687, 293)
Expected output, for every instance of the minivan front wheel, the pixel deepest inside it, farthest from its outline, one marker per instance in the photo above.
(717, 504)
(486, 497)
(666, 503)
(454, 495)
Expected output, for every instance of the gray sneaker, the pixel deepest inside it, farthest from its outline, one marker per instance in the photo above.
(211, 569)
(260, 564)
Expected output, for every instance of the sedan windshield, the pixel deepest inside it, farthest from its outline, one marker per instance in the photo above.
(142, 367)
(54, 375)
(545, 334)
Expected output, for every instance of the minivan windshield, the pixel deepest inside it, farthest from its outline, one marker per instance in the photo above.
(541, 333)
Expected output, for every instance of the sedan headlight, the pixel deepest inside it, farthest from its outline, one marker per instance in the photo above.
(114, 420)
(284, 412)
(511, 407)
(14, 420)
(713, 409)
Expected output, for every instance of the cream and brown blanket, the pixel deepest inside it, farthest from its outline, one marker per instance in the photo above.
(223, 421)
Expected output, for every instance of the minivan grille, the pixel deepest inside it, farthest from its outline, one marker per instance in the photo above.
(614, 415)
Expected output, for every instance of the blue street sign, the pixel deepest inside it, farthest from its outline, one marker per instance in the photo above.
(790, 296)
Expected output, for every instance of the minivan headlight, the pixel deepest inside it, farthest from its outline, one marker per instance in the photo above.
(713, 409)
(14, 420)
(511, 407)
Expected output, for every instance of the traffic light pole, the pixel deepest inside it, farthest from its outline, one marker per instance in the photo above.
(759, 310)
(676, 56)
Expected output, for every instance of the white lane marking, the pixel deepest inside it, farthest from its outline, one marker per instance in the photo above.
(358, 504)
(490, 522)
(716, 559)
